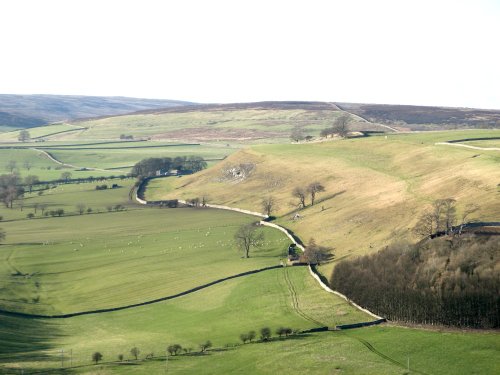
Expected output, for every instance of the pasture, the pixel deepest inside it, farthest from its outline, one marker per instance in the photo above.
(135, 255)
(375, 187)
(262, 125)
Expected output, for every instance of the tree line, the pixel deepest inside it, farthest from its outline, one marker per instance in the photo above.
(148, 167)
(447, 280)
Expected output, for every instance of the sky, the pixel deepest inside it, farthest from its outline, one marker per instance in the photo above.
(421, 52)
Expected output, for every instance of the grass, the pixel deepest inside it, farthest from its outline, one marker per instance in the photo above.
(137, 255)
(231, 125)
(219, 313)
(376, 187)
(39, 131)
(100, 156)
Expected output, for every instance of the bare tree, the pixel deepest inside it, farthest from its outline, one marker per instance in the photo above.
(81, 208)
(268, 205)
(297, 135)
(468, 210)
(24, 136)
(206, 345)
(11, 165)
(28, 164)
(65, 176)
(247, 236)
(313, 189)
(30, 181)
(425, 225)
(135, 352)
(42, 207)
(316, 254)
(341, 125)
(300, 193)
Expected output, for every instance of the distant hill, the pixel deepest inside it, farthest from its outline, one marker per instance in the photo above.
(413, 117)
(27, 111)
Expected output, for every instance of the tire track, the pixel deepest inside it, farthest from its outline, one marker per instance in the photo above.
(295, 300)
(371, 348)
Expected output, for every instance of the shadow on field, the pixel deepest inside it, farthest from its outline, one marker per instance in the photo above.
(26, 339)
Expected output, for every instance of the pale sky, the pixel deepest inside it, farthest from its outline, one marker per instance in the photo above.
(436, 52)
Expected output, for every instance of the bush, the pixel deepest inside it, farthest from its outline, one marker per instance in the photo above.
(265, 334)
(174, 349)
(206, 345)
(31, 215)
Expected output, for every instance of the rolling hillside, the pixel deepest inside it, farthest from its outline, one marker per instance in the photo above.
(376, 187)
(27, 111)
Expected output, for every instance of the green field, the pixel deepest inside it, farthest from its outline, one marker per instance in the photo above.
(375, 189)
(44, 260)
(41, 131)
(261, 125)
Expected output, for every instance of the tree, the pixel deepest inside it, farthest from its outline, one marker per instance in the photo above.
(30, 181)
(120, 357)
(313, 189)
(247, 236)
(31, 215)
(297, 135)
(268, 205)
(24, 136)
(135, 352)
(251, 335)
(28, 164)
(81, 208)
(174, 349)
(244, 338)
(43, 207)
(11, 165)
(10, 188)
(96, 357)
(206, 345)
(2, 234)
(468, 210)
(341, 125)
(65, 176)
(300, 193)
(425, 225)
(316, 254)
(59, 212)
(265, 333)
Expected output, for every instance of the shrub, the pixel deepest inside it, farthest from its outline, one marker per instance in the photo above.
(265, 333)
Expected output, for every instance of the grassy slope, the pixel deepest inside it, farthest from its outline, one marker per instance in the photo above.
(136, 255)
(243, 124)
(42, 166)
(219, 313)
(330, 353)
(375, 187)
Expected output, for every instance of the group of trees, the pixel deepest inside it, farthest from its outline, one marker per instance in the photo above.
(339, 127)
(265, 334)
(450, 281)
(442, 218)
(301, 193)
(149, 167)
(10, 188)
